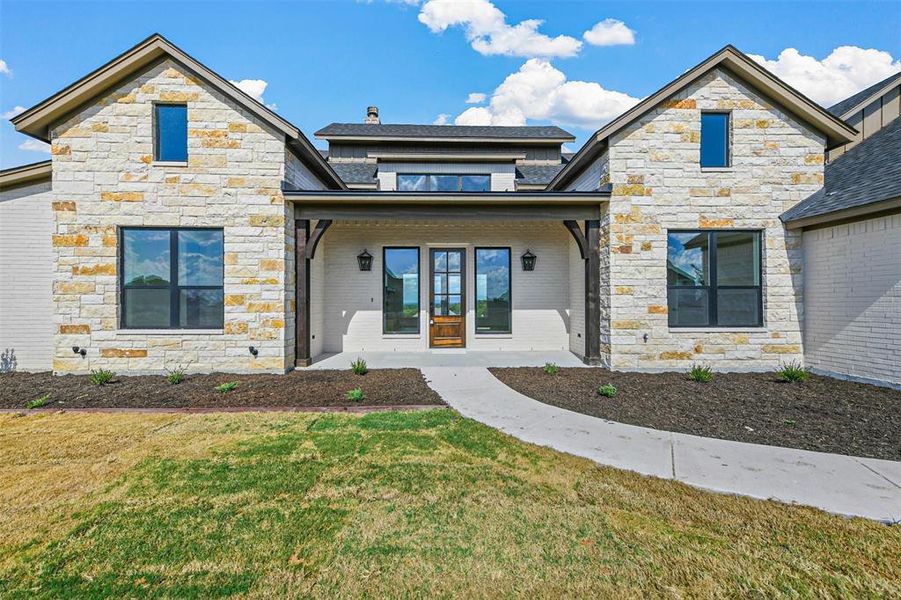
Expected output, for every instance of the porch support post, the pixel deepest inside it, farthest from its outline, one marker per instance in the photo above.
(301, 293)
(592, 292)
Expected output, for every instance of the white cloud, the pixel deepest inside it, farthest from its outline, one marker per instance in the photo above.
(35, 146)
(4, 68)
(254, 88)
(441, 119)
(846, 71)
(18, 110)
(539, 91)
(489, 33)
(610, 32)
(476, 98)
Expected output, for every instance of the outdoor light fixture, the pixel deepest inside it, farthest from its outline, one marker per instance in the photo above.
(253, 351)
(528, 261)
(365, 261)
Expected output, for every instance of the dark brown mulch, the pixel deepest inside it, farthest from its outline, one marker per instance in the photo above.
(381, 387)
(822, 413)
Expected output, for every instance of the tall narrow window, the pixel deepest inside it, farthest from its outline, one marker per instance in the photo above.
(493, 308)
(172, 278)
(170, 132)
(714, 139)
(400, 294)
(713, 279)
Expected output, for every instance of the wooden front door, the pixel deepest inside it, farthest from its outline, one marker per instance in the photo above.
(447, 298)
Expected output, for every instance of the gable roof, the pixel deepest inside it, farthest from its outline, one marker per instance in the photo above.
(37, 120)
(846, 107)
(444, 133)
(865, 179)
(837, 132)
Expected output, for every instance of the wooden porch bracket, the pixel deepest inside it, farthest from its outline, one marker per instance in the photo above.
(318, 231)
(302, 292)
(576, 232)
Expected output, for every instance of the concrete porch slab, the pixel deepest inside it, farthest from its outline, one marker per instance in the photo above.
(447, 358)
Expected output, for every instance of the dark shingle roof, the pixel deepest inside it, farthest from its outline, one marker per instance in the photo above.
(848, 103)
(867, 173)
(444, 131)
(355, 172)
(537, 174)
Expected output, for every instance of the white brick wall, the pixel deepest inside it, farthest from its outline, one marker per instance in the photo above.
(26, 278)
(852, 283)
(352, 305)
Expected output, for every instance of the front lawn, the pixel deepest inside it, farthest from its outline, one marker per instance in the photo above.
(417, 504)
(297, 389)
(822, 413)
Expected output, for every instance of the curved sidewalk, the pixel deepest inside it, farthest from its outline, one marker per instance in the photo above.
(840, 484)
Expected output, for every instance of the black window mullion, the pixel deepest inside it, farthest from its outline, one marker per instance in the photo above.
(174, 320)
(712, 240)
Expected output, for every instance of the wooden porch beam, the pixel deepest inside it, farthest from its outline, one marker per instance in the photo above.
(302, 356)
(592, 292)
(318, 231)
(576, 232)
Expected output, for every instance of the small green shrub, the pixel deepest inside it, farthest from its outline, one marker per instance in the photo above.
(101, 377)
(792, 372)
(38, 402)
(607, 390)
(700, 373)
(175, 376)
(359, 367)
(355, 395)
(551, 368)
(226, 387)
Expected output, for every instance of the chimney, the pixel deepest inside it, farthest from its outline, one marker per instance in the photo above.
(372, 115)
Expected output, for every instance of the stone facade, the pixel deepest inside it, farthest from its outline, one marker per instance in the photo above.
(658, 185)
(104, 177)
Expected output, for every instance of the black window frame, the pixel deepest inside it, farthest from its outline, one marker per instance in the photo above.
(475, 288)
(459, 177)
(418, 331)
(728, 133)
(156, 132)
(712, 286)
(173, 286)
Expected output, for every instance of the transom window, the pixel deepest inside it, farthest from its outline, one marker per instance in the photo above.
(400, 292)
(422, 182)
(171, 278)
(714, 139)
(713, 279)
(493, 308)
(170, 134)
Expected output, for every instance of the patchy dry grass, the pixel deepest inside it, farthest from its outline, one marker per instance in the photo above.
(387, 504)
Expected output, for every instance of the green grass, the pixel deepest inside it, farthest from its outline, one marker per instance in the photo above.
(412, 504)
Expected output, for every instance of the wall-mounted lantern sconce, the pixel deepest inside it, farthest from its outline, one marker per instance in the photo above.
(365, 261)
(528, 261)
(253, 351)
(80, 351)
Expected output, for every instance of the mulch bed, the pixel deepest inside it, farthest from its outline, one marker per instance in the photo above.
(297, 389)
(822, 413)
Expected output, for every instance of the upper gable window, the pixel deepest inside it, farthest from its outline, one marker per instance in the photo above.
(414, 182)
(170, 133)
(714, 139)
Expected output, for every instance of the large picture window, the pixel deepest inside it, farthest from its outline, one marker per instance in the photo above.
(443, 183)
(400, 294)
(171, 278)
(493, 308)
(713, 279)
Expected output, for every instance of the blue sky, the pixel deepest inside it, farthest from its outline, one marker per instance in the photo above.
(326, 61)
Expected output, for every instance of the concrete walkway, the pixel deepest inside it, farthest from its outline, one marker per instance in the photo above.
(840, 484)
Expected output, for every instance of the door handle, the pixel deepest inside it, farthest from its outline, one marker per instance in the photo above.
(431, 321)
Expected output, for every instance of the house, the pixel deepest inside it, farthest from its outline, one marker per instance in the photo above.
(181, 223)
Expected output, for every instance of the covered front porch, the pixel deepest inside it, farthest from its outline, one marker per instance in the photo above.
(447, 278)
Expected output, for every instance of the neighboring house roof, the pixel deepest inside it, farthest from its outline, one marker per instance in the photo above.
(837, 132)
(37, 120)
(848, 105)
(863, 180)
(444, 133)
(536, 174)
(25, 175)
